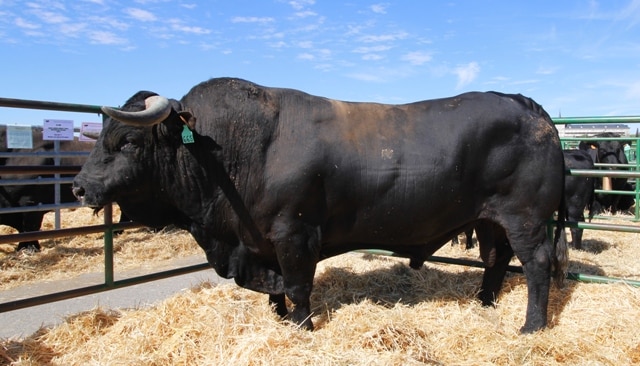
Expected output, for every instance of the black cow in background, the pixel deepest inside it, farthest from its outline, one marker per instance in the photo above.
(609, 152)
(31, 195)
(578, 191)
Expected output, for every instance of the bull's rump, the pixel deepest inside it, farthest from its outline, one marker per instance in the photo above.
(413, 173)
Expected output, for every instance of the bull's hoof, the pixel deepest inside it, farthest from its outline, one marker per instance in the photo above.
(526, 329)
(416, 263)
(301, 320)
(28, 247)
(487, 298)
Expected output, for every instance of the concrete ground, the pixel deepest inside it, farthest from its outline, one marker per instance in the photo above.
(24, 322)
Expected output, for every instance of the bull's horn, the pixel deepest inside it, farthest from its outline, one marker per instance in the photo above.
(156, 110)
(606, 183)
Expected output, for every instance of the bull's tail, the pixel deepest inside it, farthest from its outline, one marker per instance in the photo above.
(560, 255)
(591, 204)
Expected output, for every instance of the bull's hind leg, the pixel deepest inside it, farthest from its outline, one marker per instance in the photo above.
(534, 250)
(496, 254)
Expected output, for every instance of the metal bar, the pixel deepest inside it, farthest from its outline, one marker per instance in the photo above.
(35, 181)
(40, 207)
(516, 269)
(108, 245)
(605, 227)
(621, 193)
(51, 106)
(64, 295)
(44, 154)
(62, 233)
(581, 277)
(42, 169)
(619, 166)
(592, 138)
(603, 173)
(605, 119)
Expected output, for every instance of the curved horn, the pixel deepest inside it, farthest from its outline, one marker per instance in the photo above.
(156, 110)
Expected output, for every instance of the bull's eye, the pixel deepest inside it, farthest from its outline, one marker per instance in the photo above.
(128, 147)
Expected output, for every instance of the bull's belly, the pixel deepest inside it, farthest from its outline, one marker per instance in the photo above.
(399, 228)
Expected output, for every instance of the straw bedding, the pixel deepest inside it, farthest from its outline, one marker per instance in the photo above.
(368, 310)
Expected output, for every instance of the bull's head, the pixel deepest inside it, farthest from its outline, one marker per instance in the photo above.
(124, 164)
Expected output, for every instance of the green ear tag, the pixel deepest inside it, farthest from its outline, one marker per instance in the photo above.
(187, 135)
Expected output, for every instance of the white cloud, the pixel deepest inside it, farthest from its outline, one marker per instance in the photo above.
(21, 23)
(417, 57)
(300, 4)
(366, 77)
(548, 70)
(305, 14)
(177, 25)
(72, 29)
(380, 48)
(279, 44)
(372, 57)
(306, 56)
(466, 74)
(50, 16)
(384, 37)
(252, 20)
(379, 8)
(140, 14)
(106, 38)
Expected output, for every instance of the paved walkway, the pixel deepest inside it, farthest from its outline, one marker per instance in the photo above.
(24, 322)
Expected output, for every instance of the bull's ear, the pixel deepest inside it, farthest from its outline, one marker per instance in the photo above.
(188, 118)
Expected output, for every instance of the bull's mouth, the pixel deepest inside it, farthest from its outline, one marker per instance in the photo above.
(95, 203)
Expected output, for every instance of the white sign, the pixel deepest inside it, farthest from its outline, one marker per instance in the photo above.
(55, 129)
(89, 131)
(19, 137)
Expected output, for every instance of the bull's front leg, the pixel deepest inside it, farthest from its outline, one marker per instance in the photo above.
(298, 250)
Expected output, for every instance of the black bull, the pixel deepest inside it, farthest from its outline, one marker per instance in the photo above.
(276, 180)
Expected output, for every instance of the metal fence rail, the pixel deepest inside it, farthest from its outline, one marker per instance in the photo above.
(108, 227)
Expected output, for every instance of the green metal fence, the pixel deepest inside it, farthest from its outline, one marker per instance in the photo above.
(108, 227)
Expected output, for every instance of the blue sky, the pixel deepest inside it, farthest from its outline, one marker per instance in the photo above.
(575, 57)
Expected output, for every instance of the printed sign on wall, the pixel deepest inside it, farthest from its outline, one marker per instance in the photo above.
(56, 129)
(19, 137)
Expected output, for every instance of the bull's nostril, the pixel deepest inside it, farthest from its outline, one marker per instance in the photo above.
(78, 192)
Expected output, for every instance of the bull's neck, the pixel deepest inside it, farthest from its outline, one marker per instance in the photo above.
(209, 179)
